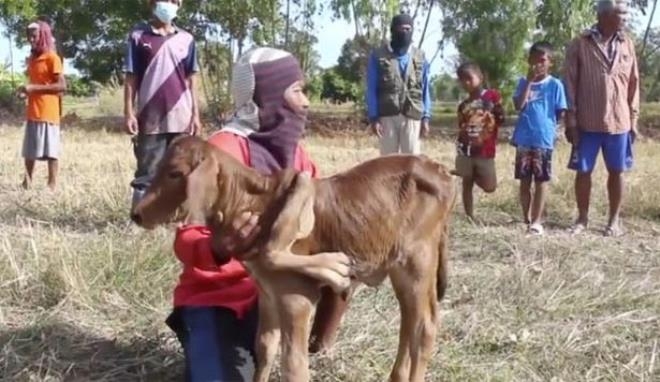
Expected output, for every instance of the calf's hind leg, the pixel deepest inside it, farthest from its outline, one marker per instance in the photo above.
(414, 284)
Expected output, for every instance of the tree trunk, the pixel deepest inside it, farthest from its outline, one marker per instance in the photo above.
(356, 18)
(419, 5)
(11, 58)
(648, 27)
(426, 24)
(288, 22)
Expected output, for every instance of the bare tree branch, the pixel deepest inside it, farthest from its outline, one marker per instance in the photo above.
(426, 24)
(419, 4)
(648, 27)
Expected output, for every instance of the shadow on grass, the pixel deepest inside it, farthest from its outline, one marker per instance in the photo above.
(61, 351)
(80, 220)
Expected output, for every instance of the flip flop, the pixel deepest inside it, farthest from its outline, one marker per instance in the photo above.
(578, 228)
(613, 231)
(536, 229)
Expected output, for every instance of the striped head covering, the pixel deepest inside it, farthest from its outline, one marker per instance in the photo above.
(259, 79)
(45, 41)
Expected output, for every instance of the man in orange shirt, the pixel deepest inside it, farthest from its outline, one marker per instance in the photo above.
(46, 83)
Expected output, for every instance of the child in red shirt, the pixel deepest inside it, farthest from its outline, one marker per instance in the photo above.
(215, 307)
(479, 119)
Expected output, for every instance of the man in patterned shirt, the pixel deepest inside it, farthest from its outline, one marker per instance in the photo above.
(602, 86)
(160, 67)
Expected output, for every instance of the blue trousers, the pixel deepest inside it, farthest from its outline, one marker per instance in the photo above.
(217, 346)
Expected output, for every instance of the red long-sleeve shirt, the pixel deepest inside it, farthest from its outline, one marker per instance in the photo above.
(202, 283)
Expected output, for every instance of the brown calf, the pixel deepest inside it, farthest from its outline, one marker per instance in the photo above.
(388, 215)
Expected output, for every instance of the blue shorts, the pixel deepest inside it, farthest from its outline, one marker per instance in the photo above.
(617, 152)
(217, 346)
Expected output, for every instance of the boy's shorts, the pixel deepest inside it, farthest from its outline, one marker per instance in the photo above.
(533, 163)
(617, 152)
(474, 167)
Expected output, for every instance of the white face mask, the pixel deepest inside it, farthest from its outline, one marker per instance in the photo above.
(165, 11)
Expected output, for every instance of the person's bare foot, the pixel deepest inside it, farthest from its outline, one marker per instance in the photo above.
(52, 186)
(27, 183)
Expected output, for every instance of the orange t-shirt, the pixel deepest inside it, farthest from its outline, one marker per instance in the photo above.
(44, 70)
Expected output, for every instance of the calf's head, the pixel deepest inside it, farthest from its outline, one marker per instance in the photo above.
(185, 187)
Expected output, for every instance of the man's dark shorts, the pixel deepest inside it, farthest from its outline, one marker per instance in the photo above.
(149, 149)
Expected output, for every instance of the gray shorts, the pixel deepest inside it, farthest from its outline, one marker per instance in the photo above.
(41, 141)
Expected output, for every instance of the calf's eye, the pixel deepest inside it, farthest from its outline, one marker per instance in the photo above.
(175, 174)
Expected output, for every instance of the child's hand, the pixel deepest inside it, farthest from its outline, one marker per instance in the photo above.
(377, 128)
(237, 238)
(21, 91)
(535, 71)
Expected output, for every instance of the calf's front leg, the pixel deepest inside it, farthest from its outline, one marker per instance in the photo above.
(268, 336)
(297, 298)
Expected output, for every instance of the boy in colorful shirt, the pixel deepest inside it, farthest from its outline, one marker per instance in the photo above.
(541, 100)
(479, 119)
(46, 84)
(160, 67)
(215, 307)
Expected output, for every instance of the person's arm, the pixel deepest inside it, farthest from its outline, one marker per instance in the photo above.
(192, 68)
(571, 70)
(129, 94)
(633, 94)
(498, 110)
(522, 94)
(371, 92)
(560, 101)
(130, 88)
(426, 91)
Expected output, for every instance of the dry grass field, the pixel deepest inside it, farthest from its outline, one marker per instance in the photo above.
(84, 294)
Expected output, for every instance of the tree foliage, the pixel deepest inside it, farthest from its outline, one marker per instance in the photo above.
(91, 35)
(491, 34)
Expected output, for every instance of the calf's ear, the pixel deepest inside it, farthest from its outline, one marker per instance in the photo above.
(201, 190)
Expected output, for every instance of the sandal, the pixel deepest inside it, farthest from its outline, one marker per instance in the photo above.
(613, 231)
(536, 229)
(578, 228)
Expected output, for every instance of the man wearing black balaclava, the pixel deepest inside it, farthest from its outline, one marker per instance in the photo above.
(398, 91)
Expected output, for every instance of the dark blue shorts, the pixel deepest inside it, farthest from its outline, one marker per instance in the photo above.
(617, 152)
(533, 163)
(217, 346)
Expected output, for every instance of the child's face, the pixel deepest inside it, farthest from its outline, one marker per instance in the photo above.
(295, 98)
(470, 81)
(541, 62)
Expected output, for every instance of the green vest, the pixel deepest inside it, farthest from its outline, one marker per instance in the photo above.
(397, 94)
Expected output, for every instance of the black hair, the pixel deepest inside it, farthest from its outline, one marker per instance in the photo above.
(468, 67)
(541, 47)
